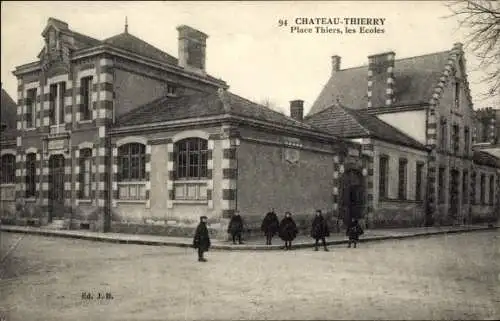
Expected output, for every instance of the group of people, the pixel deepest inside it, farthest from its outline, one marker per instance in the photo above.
(286, 229)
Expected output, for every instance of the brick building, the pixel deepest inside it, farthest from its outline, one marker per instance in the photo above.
(117, 135)
(415, 120)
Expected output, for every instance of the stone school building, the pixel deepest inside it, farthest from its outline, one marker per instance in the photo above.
(117, 135)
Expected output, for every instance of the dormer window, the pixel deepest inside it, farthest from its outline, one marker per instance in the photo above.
(171, 90)
(52, 39)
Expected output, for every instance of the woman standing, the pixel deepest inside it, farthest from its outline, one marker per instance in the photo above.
(288, 230)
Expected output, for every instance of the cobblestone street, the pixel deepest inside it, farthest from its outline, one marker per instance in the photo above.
(442, 277)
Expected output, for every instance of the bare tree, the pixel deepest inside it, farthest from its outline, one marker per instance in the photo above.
(272, 105)
(481, 19)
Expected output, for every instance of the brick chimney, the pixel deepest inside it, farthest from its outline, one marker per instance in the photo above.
(336, 63)
(192, 44)
(381, 79)
(297, 109)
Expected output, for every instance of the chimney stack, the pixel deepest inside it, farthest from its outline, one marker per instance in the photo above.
(336, 63)
(297, 109)
(192, 44)
(381, 79)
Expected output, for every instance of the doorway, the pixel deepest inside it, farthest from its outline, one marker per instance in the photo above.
(56, 187)
(353, 195)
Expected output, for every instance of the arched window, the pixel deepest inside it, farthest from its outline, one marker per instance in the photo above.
(85, 172)
(31, 175)
(8, 169)
(191, 158)
(132, 162)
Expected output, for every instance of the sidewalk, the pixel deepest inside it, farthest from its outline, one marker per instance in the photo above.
(301, 241)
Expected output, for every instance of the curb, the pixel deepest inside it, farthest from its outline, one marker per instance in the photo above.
(103, 238)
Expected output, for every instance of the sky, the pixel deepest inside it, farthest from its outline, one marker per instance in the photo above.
(246, 46)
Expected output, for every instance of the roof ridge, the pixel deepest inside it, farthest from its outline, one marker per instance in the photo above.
(399, 59)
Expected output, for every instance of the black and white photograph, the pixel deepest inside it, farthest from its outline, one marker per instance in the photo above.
(250, 160)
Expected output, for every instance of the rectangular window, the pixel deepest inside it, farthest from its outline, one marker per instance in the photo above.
(31, 175)
(466, 141)
(383, 177)
(52, 100)
(456, 139)
(441, 182)
(492, 190)
(85, 172)
(444, 135)
(8, 169)
(31, 108)
(483, 189)
(457, 93)
(465, 187)
(62, 91)
(473, 188)
(86, 99)
(402, 178)
(418, 182)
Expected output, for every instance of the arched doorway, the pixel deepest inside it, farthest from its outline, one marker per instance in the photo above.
(353, 201)
(56, 187)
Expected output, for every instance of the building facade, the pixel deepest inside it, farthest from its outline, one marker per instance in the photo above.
(117, 135)
(427, 99)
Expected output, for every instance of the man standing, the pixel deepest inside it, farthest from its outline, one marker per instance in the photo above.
(319, 230)
(201, 239)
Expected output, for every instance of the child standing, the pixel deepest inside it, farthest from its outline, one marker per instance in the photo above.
(354, 230)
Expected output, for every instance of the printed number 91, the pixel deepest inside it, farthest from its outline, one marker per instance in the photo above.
(282, 23)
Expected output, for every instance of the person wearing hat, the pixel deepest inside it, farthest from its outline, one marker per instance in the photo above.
(235, 227)
(319, 230)
(201, 239)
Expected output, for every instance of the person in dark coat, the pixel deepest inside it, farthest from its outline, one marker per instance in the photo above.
(288, 230)
(201, 239)
(270, 226)
(235, 227)
(354, 230)
(319, 230)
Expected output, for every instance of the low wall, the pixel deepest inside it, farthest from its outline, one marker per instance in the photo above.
(395, 213)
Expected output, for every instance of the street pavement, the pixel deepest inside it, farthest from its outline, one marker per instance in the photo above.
(450, 276)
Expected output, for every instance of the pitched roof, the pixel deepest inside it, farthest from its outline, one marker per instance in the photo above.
(415, 79)
(133, 44)
(483, 158)
(205, 105)
(343, 122)
(8, 111)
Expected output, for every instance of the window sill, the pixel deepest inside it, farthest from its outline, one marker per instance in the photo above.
(30, 200)
(30, 129)
(197, 181)
(8, 184)
(190, 202)
(399, 200)
(87, 121)
(132, 201)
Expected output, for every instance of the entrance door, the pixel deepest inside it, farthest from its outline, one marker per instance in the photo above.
(353, 200)
(56, 187)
